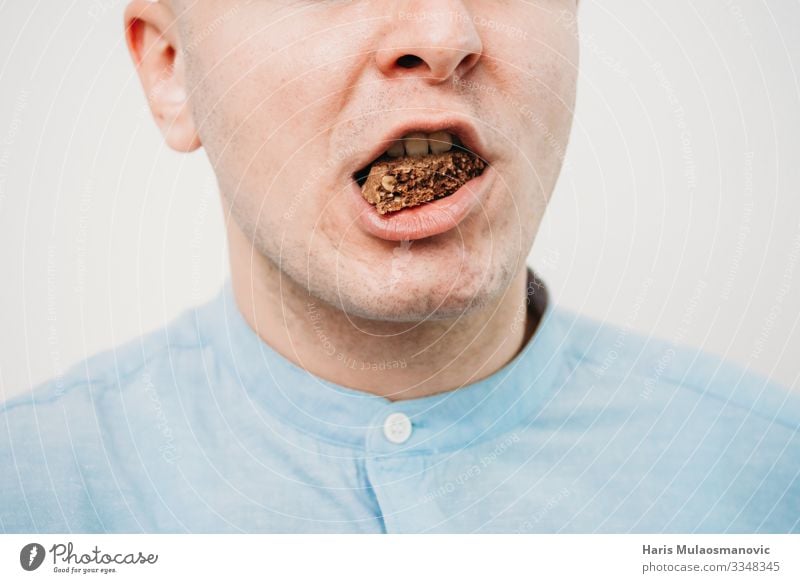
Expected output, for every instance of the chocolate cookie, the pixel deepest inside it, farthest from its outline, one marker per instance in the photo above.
(397, 183)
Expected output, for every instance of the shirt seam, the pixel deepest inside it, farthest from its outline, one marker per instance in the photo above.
(102, 382)
(778, 417)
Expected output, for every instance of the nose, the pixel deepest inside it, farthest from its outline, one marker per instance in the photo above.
(435, 42)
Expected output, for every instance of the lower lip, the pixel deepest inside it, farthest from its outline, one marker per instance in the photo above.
(426, 220)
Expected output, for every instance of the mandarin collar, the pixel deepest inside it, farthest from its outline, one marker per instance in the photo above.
(455, 419)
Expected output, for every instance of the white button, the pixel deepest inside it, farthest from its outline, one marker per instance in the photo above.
(397, 428)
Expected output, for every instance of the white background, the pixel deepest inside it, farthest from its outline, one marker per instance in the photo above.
(678, 212)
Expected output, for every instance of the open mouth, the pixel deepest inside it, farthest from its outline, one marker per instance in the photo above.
(416, 169)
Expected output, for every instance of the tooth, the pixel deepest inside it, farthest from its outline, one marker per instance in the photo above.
(416, 144)
(440, 142)
(397, 149)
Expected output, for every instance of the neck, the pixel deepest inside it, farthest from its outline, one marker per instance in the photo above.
(390, 359)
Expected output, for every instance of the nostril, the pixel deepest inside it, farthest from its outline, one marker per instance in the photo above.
(409, 61)
(469, 61)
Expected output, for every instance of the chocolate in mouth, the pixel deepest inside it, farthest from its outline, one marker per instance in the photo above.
(392, 184)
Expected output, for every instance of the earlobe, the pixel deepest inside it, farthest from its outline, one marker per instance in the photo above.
(154, 45)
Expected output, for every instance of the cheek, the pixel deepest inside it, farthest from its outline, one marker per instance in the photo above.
(540, 52)
(267, 109)
(542, 79)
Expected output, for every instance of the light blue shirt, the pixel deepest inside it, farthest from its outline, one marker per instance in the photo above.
(202, 427)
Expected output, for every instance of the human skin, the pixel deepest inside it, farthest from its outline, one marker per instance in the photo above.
(287, 97)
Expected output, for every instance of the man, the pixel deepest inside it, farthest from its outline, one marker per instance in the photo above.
(399, 371)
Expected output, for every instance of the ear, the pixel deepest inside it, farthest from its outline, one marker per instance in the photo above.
(153, 42)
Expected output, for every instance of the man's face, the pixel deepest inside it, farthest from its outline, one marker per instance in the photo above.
(291, 98)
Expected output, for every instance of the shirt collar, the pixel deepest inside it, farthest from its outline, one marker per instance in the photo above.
(451, 420)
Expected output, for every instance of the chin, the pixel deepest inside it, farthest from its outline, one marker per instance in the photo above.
(424, 292)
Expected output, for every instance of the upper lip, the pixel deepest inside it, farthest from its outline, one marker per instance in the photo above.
(469, 135)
